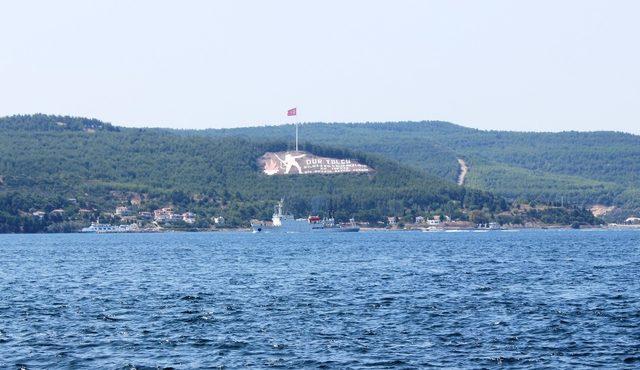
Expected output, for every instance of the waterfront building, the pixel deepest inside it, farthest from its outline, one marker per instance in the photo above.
(435, 221)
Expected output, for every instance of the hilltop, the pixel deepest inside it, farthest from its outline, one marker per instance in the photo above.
(576, 168)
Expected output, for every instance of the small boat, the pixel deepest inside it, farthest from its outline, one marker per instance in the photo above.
(432, 229)
(488, 226)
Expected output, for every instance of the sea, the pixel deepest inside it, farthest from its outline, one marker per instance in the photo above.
(370, 300)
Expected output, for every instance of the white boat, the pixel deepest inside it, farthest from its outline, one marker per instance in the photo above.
(488, 226)
(282, 222)
(98, 228)
(432, 229)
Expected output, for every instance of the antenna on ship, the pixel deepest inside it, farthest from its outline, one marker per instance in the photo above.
(293, 112)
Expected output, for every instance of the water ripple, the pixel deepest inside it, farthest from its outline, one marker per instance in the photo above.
(542, 299)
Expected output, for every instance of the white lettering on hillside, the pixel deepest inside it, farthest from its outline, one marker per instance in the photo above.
(289, 163)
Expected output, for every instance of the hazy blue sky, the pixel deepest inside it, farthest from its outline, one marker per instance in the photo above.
(519, 65)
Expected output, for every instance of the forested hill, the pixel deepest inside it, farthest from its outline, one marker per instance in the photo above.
(76, 164)
(581, 168)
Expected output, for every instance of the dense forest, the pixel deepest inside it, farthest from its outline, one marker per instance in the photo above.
(577, 168)
(74, 170)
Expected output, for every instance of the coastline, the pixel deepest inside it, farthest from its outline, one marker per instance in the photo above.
(610, 227)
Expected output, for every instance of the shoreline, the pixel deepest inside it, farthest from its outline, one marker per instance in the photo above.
(612, 227)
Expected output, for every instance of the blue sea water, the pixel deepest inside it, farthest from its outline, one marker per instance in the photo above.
(529, 299)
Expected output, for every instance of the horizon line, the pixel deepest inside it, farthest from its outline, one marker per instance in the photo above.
(270, 124)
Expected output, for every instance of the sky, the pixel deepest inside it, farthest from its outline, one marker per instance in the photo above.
(541, 65)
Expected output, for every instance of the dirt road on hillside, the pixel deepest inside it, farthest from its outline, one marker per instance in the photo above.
(463, 171)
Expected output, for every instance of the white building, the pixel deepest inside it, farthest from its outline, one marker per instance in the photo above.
(163, 214)
(145, 215)
(123, 211)
(218, 220)
(189, 217)
(39, 214)
(434, 221)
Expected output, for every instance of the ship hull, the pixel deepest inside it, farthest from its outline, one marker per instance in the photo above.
(286, 223)
(303, 228)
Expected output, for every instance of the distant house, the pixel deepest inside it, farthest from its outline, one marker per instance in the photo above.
(632, 221)
(419, 220)
(393, 220)
(163, 214)
(435, 221)
(189, 217)
(167, 215)
(128, 219)
(58, 211)
(123, 211)
(218, 220)
(39, 214)
(145, 215)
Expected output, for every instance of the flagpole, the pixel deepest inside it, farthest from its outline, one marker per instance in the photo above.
(291, 113)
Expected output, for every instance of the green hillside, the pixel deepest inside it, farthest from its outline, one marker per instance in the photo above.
(397, 141)
(581, 168)
(515, 182)
(75, 164)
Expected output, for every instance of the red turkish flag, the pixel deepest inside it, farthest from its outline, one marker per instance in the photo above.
(292, 112)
